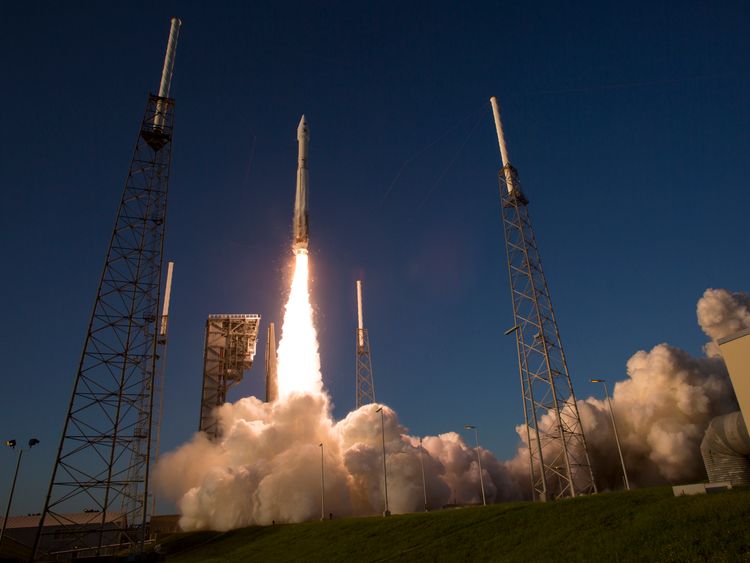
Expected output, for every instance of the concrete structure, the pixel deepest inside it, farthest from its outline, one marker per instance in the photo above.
(700, 488)
(726, 446)
(735, 349)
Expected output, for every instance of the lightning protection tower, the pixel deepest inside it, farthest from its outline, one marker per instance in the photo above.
(229, 351)
(558, 457)
(96, 504)
(364, 382)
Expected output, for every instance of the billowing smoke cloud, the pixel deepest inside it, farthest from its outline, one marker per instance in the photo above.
(266, 466)
(662, 409)
(721, 313)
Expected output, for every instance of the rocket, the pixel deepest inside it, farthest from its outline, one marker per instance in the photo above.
(301, 232)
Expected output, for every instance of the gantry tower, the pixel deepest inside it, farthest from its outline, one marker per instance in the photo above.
(364, 383)
(96, 504)
(229, 351)
(558, 458)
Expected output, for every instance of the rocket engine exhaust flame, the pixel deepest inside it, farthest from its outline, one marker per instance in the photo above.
(298, 361)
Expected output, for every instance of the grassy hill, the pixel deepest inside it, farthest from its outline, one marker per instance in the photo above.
(645, 525)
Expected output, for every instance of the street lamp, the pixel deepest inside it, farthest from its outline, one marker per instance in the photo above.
(12, 444)
(322, 486)
(421, 463)
(614, 425)
(479, 459)
(386, 512)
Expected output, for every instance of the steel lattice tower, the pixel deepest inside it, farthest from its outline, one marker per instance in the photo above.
(364, 383)
(97, 502)
(559, 460)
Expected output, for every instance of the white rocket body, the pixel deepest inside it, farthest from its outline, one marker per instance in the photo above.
(301, 230)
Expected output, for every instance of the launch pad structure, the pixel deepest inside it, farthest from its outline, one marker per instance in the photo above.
(558, 457)
(101, 469)
(229, 351)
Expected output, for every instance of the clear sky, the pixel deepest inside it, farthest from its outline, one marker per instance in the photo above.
(628, 123)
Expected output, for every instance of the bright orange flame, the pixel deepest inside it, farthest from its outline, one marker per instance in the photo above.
(298, 365)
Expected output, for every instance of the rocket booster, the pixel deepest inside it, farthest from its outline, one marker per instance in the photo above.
(301, 231)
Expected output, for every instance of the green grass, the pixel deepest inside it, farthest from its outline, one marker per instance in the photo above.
(645, 525)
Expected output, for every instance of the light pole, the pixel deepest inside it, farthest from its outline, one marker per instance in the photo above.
(12, 444)
(614, 426)
(322, 486)
(421, 463)
(386, 512)
(479, 459)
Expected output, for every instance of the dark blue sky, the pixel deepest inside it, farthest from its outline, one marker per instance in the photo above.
(628, 123)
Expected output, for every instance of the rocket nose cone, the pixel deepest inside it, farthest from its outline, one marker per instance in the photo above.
(302, 128)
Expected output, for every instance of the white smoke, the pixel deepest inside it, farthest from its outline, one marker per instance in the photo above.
(662, 409)
(267, 465)
(721, 313)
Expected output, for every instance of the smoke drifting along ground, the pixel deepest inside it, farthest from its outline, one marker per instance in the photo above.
(266, 467)
(662, 409)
